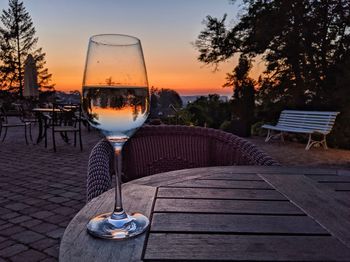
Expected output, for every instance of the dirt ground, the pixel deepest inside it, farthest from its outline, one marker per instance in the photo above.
(294, 154)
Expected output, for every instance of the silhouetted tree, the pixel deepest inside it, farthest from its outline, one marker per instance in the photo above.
(243, 93)
(305, 45)
(17, 40)
(154, 103)
(169, 97)
(299, 40)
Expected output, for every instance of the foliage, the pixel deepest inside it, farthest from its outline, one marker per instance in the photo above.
(305, 46)
(17, 41)
(184, 117)
(209, 111)
(226, 126)
(165, 103)
(168, 97)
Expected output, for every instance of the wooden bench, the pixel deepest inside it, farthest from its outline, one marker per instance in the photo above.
(307, 122)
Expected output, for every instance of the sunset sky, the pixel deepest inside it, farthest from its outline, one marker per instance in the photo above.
(166, 28)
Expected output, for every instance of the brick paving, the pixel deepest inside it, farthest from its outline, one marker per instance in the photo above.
(41, 191)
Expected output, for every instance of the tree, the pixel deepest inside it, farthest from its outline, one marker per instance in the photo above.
(169, 97)
(164, 103)
(303, 44)
(17, 36)
(154, 103)
(300, 41)
(243, 92)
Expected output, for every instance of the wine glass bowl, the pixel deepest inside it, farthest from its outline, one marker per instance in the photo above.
(116, 101)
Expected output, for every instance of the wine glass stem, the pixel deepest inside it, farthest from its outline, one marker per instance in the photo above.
(118, 206)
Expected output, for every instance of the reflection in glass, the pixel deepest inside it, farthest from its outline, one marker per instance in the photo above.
(108, 105)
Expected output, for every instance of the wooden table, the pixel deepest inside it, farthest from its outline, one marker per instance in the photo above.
(225, 213)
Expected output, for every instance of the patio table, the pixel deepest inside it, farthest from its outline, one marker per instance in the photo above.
(225, 213)
(39, 114)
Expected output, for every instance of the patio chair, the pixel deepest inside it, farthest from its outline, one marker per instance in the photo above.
(63, 122)
(4, 124)
(27, 116)
(157, 149)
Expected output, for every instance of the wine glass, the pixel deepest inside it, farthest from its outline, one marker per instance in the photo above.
(116, 101)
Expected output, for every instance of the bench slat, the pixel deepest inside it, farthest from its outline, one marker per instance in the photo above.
(305, 119)
(323, 121)
(306, 123)
(308, 118)
(311, 115)
(309, 127)
(311, 112)
(305, 126)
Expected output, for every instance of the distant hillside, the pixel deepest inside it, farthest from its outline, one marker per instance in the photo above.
(68, 98)
(190, 99)
(74, 97)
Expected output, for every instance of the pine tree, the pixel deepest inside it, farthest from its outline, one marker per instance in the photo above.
(17, 41)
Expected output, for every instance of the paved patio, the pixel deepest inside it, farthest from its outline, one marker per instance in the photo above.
(41, 191)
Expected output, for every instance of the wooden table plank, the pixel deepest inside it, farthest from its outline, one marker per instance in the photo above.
(328, 186)
(162, 246)
(332, 178)
(178, 192)
(314, 201)
(344, 195)
(226, 206)
(337, 186)
(222, 184)
(78, 245)
(233, 176)
(172, 177)
(226, 223)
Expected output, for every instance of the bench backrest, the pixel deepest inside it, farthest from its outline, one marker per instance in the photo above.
(322, 121)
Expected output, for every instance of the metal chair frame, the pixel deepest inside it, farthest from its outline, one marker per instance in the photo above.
(63, 122)
(4, 124)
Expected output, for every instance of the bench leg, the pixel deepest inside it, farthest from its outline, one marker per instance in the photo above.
(312, 142)
(309, 143)
(271, 135)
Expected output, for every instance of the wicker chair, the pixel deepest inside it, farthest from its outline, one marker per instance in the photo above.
(157, 149)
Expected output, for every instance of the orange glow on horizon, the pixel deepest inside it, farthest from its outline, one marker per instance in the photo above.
(184, 74)
(184, 85)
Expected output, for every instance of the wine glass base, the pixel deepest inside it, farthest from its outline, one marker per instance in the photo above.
(103, 226)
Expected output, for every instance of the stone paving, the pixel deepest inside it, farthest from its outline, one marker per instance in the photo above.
(41, 191)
